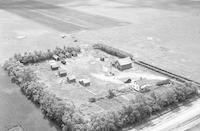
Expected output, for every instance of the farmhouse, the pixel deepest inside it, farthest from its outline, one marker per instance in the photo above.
(54, 66)
(141, 86)
(84, 82)
(123, 64)
(62, 73)
(55, 57)
(71, 79)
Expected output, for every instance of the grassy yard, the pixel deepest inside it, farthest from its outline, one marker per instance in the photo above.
(88, 65)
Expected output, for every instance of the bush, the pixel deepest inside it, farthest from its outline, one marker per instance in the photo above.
(70, 118)
(112, 51)
(111, 94)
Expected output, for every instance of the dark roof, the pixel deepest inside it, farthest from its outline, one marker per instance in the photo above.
(124, 61)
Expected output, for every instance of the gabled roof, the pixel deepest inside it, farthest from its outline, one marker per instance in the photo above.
(124, 61)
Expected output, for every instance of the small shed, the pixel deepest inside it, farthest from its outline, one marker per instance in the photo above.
(123, 64)
(74, 53)
(55, 57)
(62, 73)
(54, 66)
(68, 55)
(71, 79)
(84, 82)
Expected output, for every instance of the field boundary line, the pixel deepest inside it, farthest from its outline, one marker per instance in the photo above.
(59, 19)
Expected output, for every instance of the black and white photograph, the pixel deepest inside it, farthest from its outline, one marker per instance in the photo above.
(99, 65)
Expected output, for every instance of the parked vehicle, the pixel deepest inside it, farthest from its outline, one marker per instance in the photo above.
(63, 62)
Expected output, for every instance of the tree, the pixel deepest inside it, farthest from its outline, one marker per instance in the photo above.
(111, 94)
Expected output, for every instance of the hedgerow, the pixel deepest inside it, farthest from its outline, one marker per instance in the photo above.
(71, 119)
(38, 56)
(112, 51)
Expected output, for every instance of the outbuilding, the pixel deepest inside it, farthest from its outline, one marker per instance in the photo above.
(54, 66)
(84, 82)
(62, 73)
(55, 57)
(71, 79)
(123, 64)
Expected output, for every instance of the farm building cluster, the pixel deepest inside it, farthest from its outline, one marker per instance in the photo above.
(84, 76)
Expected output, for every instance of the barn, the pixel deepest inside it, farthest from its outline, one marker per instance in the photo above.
(123, 64)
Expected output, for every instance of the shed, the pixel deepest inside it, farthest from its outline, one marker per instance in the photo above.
(84, 82)
(54, 66)
(62, 73)
(74, 53)
(123, 64)
(55, 57)
(71, 79)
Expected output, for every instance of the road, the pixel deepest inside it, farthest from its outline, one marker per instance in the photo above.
(177, 120)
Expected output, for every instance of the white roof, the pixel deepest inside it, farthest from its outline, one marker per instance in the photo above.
(124, 61)
(54, 65)
(85, 80)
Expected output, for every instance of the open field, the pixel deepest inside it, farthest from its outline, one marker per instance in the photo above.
(162, 32)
